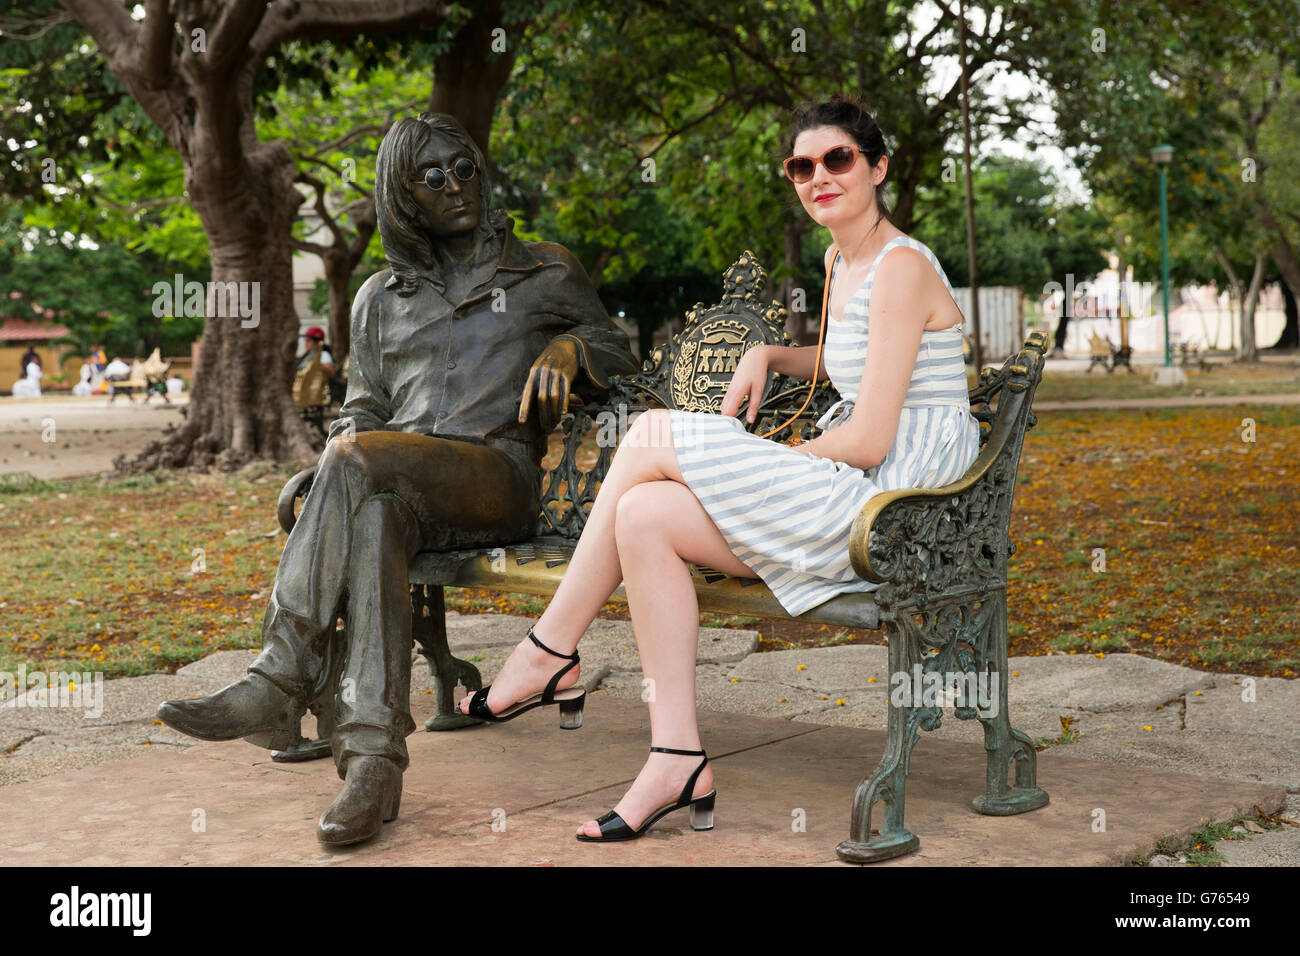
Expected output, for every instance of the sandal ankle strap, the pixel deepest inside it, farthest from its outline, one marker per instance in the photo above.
(685, 798)
(568, 657)
(548, 695)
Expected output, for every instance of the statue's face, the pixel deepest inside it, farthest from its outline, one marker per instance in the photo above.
(453, 209)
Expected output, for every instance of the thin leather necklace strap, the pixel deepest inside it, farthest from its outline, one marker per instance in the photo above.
(821, 340)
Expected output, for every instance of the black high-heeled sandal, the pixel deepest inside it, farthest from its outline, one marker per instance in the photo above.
(613, 828)
(570, 699)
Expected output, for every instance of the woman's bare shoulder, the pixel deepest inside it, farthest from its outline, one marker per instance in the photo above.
(904, 265)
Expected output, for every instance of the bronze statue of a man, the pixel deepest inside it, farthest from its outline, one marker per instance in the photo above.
(436, 448)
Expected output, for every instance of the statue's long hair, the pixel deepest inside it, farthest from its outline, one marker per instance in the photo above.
(407, 244)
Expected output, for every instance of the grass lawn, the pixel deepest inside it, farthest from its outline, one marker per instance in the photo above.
(1198, 531)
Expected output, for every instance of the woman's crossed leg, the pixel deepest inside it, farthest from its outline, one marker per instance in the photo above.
(644, 526)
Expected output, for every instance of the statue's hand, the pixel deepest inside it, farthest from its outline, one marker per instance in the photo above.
(550, 378)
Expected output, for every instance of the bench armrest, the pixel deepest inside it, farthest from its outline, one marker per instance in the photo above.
(964, 526)
(957, 524)
(296, 487)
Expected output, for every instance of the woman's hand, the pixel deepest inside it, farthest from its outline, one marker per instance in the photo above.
(748, 381)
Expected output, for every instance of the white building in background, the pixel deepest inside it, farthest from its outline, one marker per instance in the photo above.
(1201, 316)
(1002, 319)
(307, 268)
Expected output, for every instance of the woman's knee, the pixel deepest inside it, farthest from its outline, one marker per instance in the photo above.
(652, 429)
(643, 448)
(639, 515)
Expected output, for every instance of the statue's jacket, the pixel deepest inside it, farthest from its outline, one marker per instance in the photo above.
(421, 365)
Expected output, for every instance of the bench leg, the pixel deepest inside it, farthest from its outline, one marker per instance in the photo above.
(1006, 748)
(429, 627)
(889, 781)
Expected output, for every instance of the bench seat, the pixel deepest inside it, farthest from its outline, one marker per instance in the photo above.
(538, 566)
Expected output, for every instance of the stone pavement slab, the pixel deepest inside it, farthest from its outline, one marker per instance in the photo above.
(1255, 705)
(226, 803)
(1111, 682)
(37, 741)
(1127, 712)
(715, 689)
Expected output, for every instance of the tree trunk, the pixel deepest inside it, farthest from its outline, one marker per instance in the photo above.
(906, 186)
(338, 277)
(241, 406)
(1283, 255)
(468, 78)
(977, 348)
(1290, 337)
(1248, 351)
(192, 66)
(1234, 291)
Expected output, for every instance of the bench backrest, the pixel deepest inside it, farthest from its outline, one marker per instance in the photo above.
(692, 371)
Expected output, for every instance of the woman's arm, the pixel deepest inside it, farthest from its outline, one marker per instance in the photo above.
(795, 361)
(897, 323)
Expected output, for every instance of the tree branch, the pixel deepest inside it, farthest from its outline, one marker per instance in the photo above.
(315, 248)
(119, 40)
(109, 25)
(321, 210)
(287, 20)
(752, 51)
(156, 51)
(371, 129)
(1270, 96)
(41, 25)
(237, 25)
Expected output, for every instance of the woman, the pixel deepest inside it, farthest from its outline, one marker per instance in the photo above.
(691, 487)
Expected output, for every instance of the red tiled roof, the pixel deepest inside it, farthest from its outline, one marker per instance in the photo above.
(20, 330)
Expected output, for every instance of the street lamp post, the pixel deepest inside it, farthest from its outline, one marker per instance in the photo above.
(1161, 156)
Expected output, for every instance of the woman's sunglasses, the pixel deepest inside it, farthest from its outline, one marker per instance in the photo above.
(436, 178)
(838, 160)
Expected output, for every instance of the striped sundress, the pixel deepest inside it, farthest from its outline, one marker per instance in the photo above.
(789, 515)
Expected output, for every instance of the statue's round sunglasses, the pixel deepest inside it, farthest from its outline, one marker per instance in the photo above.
(800, 169)
(435, 178)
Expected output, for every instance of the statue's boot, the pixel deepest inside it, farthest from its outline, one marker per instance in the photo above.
(251, 707)
(371, 797)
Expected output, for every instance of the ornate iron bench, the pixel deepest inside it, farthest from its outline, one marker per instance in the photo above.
(940, 554)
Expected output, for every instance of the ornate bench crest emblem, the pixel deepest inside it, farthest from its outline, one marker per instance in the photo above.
(706, 352)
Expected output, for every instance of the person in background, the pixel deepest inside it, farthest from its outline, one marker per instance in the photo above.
(315, 339)
(98, 362)
(28, 357)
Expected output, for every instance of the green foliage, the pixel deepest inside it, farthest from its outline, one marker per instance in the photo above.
(102, 293)
(95, 212)
(1197, 81)
(1024, 235)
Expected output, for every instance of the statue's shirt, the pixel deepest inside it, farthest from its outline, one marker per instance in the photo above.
(422, 364)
